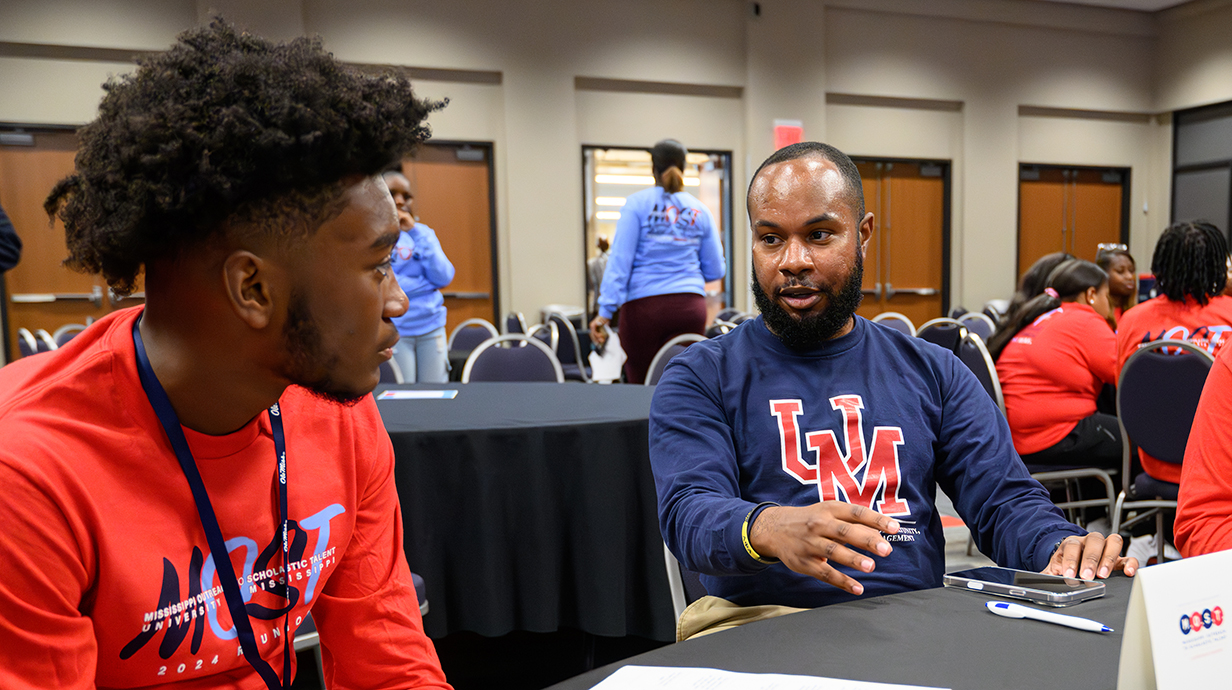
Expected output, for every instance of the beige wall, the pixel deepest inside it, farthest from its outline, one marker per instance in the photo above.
(939, 79)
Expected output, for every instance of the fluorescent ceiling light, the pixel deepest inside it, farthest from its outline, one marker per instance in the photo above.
(609, 201)
(608, 215)
(641, 180)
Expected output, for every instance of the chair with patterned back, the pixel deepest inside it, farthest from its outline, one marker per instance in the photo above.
(1157, 396)
(895, 320)
(512, 357)
(670, 349)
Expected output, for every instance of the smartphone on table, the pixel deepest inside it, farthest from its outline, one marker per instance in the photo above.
(1049, 590)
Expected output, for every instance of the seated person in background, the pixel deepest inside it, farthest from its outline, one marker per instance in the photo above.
(223, 432)
(422, 269)
(1059, 355)
(1204, 507)
(797, 458)
(1190, 267)
(1122, 279)
(1032, 284)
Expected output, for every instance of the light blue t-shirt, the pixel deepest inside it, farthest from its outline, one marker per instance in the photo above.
(422, 270)
(665, 244)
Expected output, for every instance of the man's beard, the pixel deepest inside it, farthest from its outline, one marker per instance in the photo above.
(808, 331)
(308, 366)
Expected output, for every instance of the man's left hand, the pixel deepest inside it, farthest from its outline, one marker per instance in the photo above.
(1090, 557)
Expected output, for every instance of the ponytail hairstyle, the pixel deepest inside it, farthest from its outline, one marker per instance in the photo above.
(667, 160)
(1191, 260)
(1066, 282)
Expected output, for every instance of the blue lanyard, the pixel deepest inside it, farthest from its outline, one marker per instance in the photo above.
(209, 522)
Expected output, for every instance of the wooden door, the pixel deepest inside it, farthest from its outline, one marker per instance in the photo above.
(1063, 209)
(452, 185)
(41, 292)
(905, 265)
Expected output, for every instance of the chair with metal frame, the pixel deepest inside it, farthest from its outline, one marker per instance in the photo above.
(718, 328)
(546, 333)
(895, 320)
(568, 350)
(468, 334)
(978, 324)
(727, 314)
(686, 587)
(943, 331)
(515, 323)
(391, 372)
(1157, 396)
(973, 353)
(26, 344)
(670, 349)
(512, 357)
(44, 341)
(67, 332)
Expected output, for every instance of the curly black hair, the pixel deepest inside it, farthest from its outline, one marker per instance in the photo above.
(1191, 260)
(224, 127)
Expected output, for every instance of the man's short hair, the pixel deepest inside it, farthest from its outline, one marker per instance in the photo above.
(808, 149)
(226, 129)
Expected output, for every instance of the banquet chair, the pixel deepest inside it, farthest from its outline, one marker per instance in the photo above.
(670, 349)
(546, 333)
(973, 353)
(468, 334)
(568, 351)
(1157, 396)
(685, 585)
(391, 372)
(741, 318)
(43, 341)
(957, 312)
(512, 357)
(718, 328)
(978, 324)
(515, 322)
(26, 345)
(67, 332)
(727, 314)
(943, 331)
(895, 320)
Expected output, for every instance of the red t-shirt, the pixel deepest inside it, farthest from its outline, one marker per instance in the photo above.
(1161, 318)
(108, 580)
(1204, 509)
(1052, 372)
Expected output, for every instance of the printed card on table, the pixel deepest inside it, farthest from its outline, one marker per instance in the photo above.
(1177, 634)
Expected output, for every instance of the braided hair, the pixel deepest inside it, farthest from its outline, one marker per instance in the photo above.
(1191, 260)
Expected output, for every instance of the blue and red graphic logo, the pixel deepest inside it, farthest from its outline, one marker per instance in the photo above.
(1201, 620)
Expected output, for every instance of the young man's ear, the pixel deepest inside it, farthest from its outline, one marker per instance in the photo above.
(246, 280)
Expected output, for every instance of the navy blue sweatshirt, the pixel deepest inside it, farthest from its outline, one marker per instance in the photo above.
(881, 417)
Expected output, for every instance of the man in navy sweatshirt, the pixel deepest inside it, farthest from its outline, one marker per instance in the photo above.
(797, 457)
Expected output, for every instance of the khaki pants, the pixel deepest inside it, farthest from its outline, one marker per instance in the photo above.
(712, 614)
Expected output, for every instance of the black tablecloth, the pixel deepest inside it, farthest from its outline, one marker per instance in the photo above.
(530, 506)
(936, 637)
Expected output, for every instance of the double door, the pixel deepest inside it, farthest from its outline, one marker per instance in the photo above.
(906, 266)
(1070, 209)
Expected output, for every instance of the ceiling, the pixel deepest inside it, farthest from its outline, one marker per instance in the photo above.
(1139, 5)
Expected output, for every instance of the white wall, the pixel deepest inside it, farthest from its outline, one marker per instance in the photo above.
(987, 58)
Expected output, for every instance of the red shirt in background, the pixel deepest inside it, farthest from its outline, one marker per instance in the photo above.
(1204, 508)
(1208, 327)
(1052, 372)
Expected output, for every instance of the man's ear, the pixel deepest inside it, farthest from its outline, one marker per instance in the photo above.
(246, 278)
(866, 232)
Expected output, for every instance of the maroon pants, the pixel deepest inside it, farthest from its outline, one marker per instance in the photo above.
(647, 324)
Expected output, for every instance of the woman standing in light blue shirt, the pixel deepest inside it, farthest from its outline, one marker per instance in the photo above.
(422, 270)
(665, 251)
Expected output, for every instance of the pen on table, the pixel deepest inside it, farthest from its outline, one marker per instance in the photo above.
(1008, 610)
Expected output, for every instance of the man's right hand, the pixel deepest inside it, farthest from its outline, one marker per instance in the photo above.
(809, 539)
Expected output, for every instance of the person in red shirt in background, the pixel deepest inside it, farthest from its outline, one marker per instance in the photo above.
(1122, 279)
(1190, 267)
(1053, 360)
(1204, 507)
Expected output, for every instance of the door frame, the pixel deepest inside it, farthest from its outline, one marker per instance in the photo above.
(1177, 117)
(1125, 172)
(489, 149)
(946, 211)
(728, 237)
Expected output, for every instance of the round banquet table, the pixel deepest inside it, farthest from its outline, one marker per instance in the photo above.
(531, 507)
(935, 638)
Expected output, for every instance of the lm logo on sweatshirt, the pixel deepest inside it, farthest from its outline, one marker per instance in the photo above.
(859, 476)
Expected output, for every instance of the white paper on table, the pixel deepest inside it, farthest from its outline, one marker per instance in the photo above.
(1159, 649)
(670, 678)
(606, 368)
(394, 394)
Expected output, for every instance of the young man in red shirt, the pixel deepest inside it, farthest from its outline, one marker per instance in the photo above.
(185, 481)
